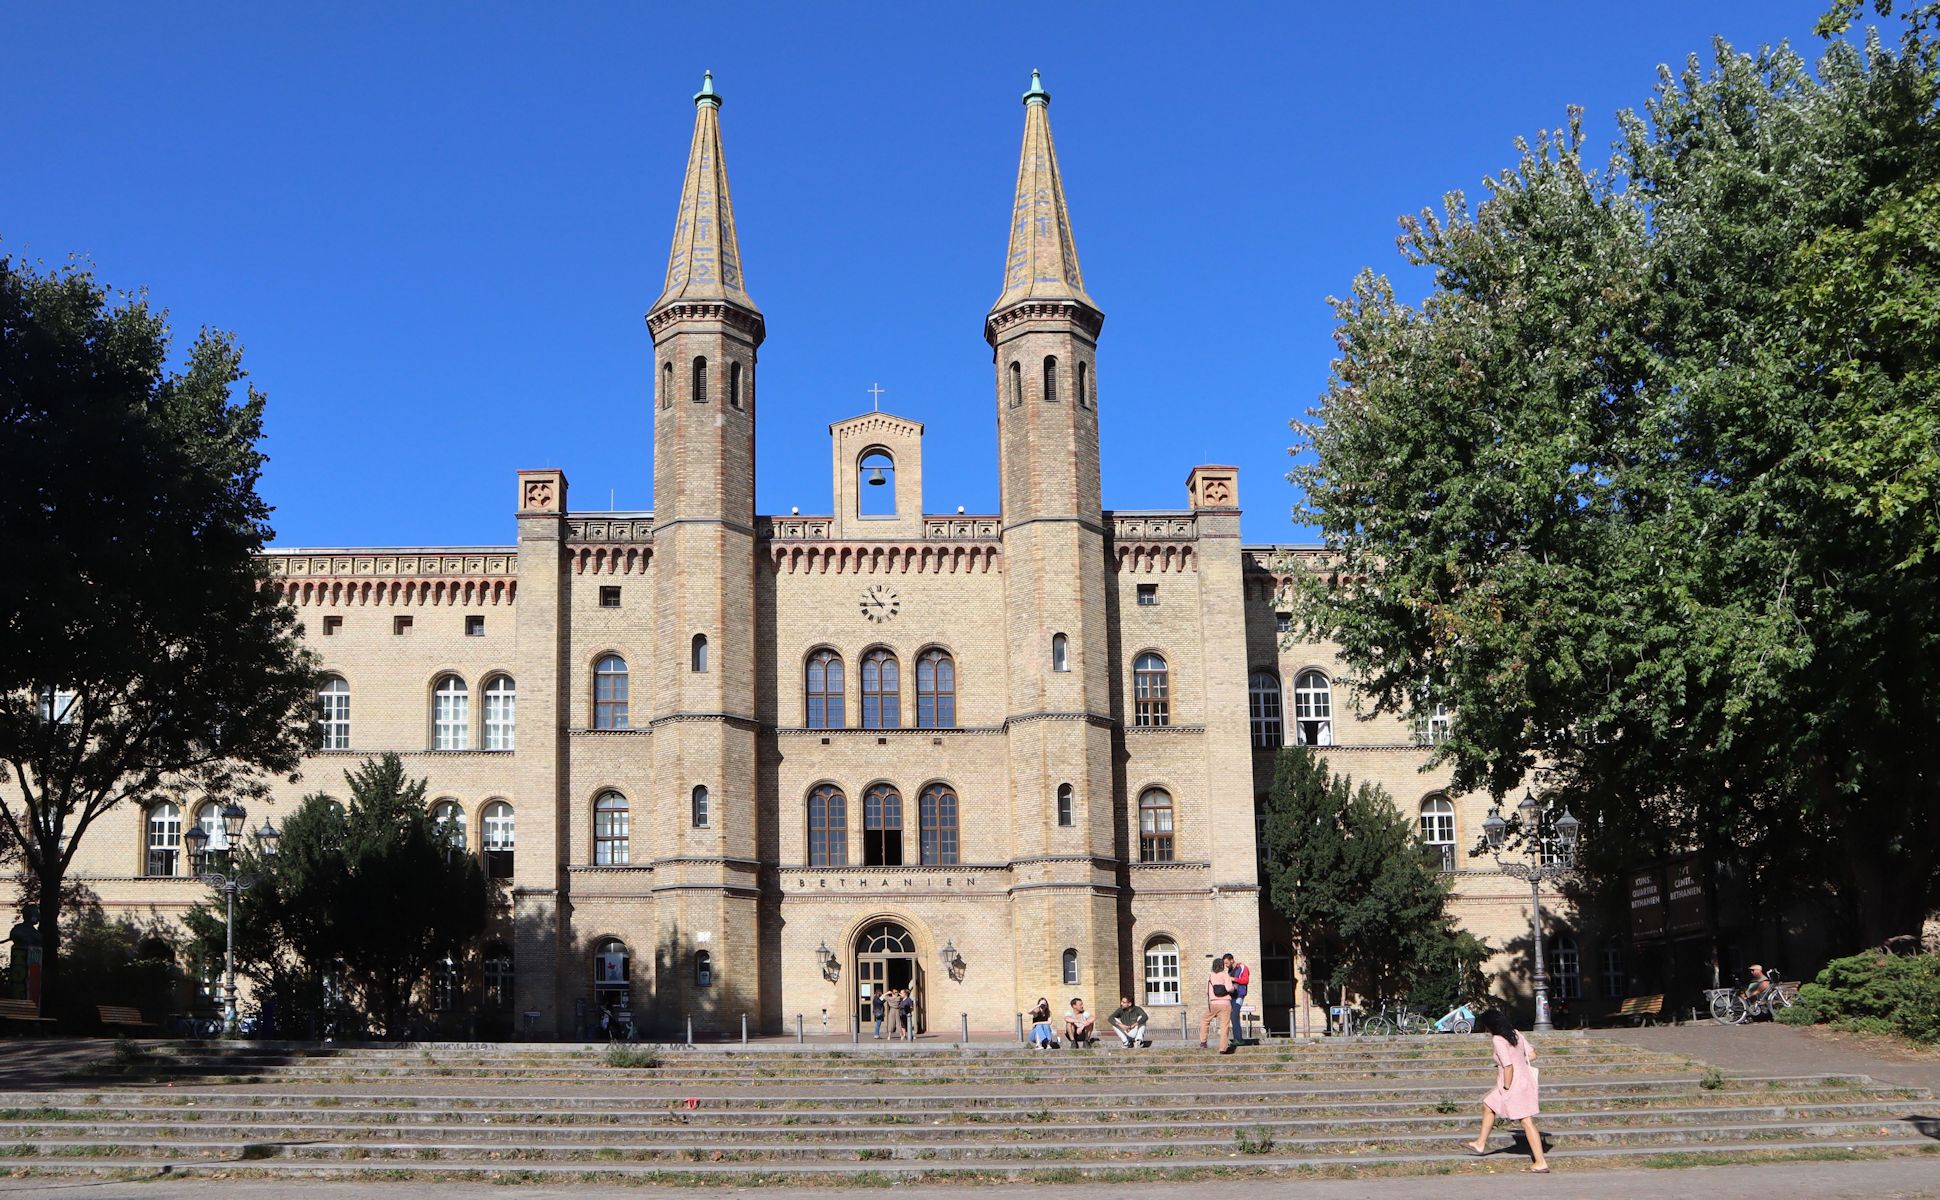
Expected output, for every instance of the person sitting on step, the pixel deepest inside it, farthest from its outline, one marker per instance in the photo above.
(1128, 1022)
(1042, 1036)
(1078, 1024)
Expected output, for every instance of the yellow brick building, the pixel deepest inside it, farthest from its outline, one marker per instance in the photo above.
(742, 765)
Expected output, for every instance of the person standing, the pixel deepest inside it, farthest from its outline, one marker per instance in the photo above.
(1242, 976)
(892, 1011)
(906, 1013)
(875, 1009)
(1514, 1095)
(1219, 1006)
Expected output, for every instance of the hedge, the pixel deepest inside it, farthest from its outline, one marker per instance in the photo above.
(1875, 993)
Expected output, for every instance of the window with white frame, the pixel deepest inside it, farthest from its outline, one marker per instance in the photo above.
(1439, 724)
(612, 841)
(1151, 691)
(700, 813)
(57, 705)
(610, 692)
(1313, 710)
(496, 832)
(208, 818)
(1616, 981)
(333, 713)
(1263, 693)
(449, 816)
(501, 713)
(164, 838)
(1567, 968)
(1067, 804)
(1438, 830)
(1070, 965)
(1161, 972)
(1155, 825)
(451, 715)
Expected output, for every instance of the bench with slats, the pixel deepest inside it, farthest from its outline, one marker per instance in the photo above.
(1644, 1010)
(122, 1017)
(21, 1010)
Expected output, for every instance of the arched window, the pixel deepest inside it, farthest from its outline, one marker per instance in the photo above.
(449, 817)
(497, 964)
(700, 380)
(936, 811)
(333, 713)
(612, 841)
(824, 690)
(1060, 652)
(1016, 385)
(613, 975)
(208, 818)
(1263, 693)
(882, 827)
(882, 690)
(1070, 964)
(703, 969)
(1155, 825)
(1151, 691)
(1313, 710)
(875, 484)
(734, 384)
(496, 836)
(1567, 968)
(610, 693)
(164, 838)
(697, 658)
(1050, 379)
(1162, 971)
(1438, 830)
(936, 690)
(1084, 384)
(667, 385)
(828, 827)
(451, 715)
(1067, 805)
(697, 801)
(501, 713)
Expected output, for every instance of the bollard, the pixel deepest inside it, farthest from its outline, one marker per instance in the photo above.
(690, 1029)
(856, 1028)
(1185, 1028)
(799, 1039)
(744, 1030)
(966, 1029)
(1020, 1027)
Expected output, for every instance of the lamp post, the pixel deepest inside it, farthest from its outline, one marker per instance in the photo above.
(1560, 864)
(229, 882)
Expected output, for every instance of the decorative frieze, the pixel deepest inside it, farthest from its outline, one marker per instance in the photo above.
(438, 578)
(890, 558)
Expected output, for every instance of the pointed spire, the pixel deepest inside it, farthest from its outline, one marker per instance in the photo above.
(1043, 259)
(705, 262)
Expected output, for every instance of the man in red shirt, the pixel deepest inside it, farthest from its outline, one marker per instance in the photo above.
(1242, 977)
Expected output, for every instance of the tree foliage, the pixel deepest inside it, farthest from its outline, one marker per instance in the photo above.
(1366, 903)
(367, 901)
(1648, 487)
(140, 655)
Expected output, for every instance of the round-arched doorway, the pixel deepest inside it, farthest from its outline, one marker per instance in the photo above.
(885, 961)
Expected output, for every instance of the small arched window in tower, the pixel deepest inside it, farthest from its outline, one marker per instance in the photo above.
(699, 658)
(1084, 385)
(1067, 804)
(1050, 379)
(1060, 652)
(700, 380)
(875, 484)
(700, 813)
(1016, 385)
(703, 969)
(666, 385)
(1071, 964)
(734, 384)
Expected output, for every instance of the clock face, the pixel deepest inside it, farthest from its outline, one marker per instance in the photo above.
(879, 602)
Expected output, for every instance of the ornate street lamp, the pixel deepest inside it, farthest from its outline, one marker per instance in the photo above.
(234, 819)
(1557, 864)
(831, 964)
(952, 961)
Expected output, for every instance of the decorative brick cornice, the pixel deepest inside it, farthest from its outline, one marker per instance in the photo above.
(1085, 317)
(732, 315)
(1154, 542)
(885, 558)
(476, 577)
(1143, 730)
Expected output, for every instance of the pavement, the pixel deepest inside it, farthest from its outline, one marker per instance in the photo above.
(1763, 1048)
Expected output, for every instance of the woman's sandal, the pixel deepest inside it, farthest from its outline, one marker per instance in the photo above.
(1537, 1170)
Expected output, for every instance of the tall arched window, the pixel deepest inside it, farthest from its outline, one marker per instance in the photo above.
(333, 713)
(1438, 830)
(936, 690)
(936, 811)
(497, 964)
(501, 713)
(828, 827)
(1070, 965)
(1313, 710)
(882, 690)
(1162, 971)
(698, 802)
(882, 827)
(1084, 384)
(1016, 385)
(612, 837)
(1568, 968)
(610, 692)
(164, 838)
(666, 385)
(697, 659)
(1050, 379)
(734, 384)
(208, 819)
(1067, 805)
(1263, 693)
(823, 690)
(613, 975)
(1060, 652)
(703, 969)
(1155, 825)
(451, 715)
(496, 837)
(449, 817)
(1151, 691)
(700, 380)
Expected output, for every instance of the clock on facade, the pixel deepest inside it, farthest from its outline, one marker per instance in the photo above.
(879, 602)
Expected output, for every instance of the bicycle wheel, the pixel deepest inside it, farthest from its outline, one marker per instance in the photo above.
(1777, 1001)
(1378, 1027)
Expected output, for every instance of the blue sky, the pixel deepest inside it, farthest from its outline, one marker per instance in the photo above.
(435, 228)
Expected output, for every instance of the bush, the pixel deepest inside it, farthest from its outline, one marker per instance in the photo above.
(1876, 993)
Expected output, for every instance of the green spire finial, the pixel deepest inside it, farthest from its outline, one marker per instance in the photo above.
(1037, 94)
(707, 94)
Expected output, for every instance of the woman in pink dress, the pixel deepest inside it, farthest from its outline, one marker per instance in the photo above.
(1514, 1097)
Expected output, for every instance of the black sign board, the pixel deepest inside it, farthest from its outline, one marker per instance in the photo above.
(1647, 903)
(1685, 908)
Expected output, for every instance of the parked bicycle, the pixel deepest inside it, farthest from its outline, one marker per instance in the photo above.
(1401, 1020)
(1735, 1006)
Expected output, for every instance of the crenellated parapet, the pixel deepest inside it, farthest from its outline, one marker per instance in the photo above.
(886, 558)
(396, 578)
(1153, 542)
(609, 544)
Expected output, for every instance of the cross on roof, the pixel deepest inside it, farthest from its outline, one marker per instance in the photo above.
(875, 394)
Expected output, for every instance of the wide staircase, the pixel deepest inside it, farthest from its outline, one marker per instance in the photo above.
(774, 1114)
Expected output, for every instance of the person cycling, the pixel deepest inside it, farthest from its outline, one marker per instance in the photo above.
(1759, 985)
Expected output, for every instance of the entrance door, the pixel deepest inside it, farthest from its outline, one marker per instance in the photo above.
(886, 962)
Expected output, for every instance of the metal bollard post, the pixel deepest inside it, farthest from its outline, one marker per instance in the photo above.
(1020, 1027)
(855, 1026)
(744, 1030)
(966, 1029)
(690, 1029)
(1185, 1028)
(799, 1039)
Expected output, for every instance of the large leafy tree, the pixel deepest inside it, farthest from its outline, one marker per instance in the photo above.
(140, 655)
(1645, 488)
(1367, 905)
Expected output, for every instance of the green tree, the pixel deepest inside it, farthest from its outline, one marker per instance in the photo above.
(377, 897)
(1364, 898)
(1643, 489)
(140, 653)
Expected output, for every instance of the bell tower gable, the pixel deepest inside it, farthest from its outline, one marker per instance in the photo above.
(878, 475)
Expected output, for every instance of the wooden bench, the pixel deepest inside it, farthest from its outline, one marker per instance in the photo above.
(1644, 1010)
(21, 1010)
(122, 1017)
